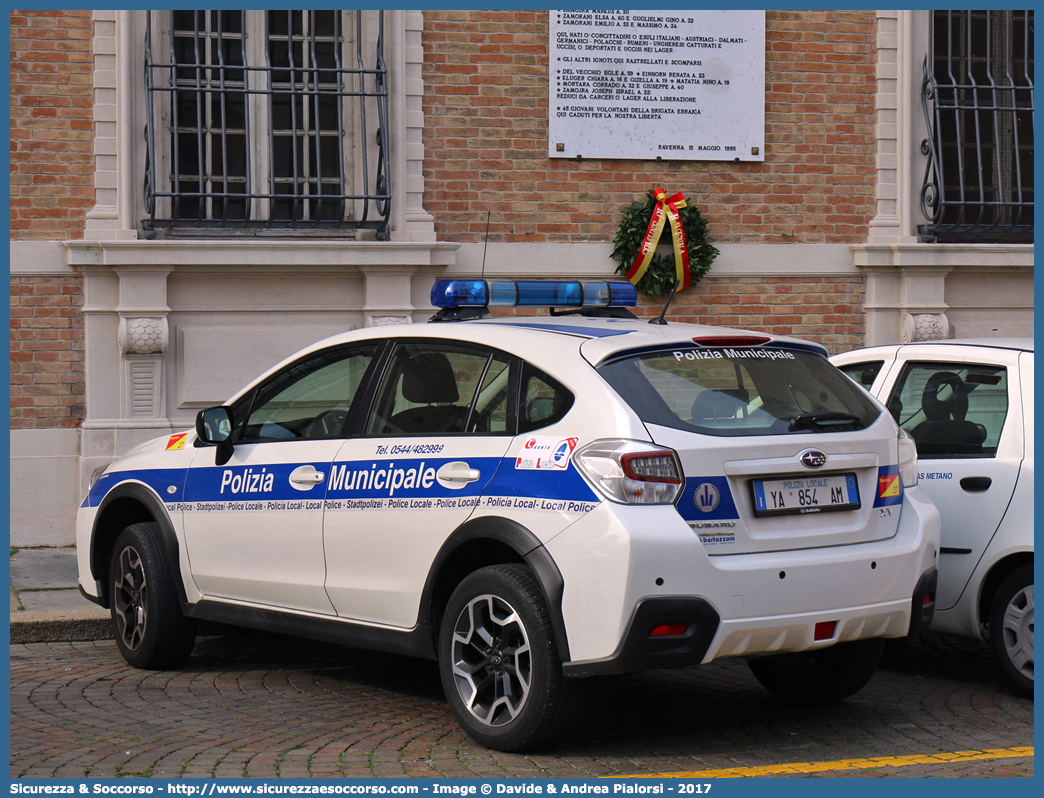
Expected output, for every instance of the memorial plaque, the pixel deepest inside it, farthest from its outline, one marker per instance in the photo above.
(676, 85)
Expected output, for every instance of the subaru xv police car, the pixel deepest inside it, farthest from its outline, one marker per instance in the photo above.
(530, 500)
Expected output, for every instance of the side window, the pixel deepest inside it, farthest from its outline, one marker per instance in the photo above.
(309, 400)
(952, 409)
(863, 373)
(544, 400)
(440, 388)
(490, 414)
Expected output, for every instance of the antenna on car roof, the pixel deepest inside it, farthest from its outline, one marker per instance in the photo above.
(659, 319)
(485, 244)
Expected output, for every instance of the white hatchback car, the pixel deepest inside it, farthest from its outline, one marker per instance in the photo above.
(528, 500)
(968, 404)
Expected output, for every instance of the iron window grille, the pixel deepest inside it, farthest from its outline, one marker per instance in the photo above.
(265, 122)
(978, 104)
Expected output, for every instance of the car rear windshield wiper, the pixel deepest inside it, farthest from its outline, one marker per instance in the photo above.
(829, 417)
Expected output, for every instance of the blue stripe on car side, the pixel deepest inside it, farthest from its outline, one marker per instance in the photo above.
(390, 478)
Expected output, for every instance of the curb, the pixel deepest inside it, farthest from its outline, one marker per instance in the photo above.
(86, 626)
(49, 627)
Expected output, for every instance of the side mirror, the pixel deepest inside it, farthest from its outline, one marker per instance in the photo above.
(214, 427)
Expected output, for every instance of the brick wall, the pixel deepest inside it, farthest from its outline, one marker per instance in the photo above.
(828, 311)
(52, 124)
(485, 106)
(52, 188)
(47, 382)
(485, 142)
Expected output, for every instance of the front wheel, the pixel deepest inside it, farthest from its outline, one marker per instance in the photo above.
(822, 676)
(499, 663)
(1011, 628)
(150, 629)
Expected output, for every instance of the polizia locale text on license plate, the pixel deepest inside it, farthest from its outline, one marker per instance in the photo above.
(795, 495)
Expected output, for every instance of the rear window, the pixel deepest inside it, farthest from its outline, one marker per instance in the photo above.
(740, 391)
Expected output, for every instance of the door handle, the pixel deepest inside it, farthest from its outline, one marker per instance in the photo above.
(304, 477)
(457, 474)
(976, 484)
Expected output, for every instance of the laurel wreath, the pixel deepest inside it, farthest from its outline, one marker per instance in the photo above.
(659, 279)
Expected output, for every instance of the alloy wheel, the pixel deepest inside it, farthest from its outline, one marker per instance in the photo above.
(130, 598)
(492, 660)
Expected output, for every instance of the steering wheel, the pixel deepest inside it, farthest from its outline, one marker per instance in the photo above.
(328, 424)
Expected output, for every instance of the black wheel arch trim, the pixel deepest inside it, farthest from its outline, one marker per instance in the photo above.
(528, 548)
(148, 498)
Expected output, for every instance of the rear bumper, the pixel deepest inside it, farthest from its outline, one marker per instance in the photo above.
(641, 650)
(745, 604)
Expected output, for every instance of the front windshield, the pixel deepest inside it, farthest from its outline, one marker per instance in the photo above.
(739, 391)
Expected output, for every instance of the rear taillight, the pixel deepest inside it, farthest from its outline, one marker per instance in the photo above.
(631, 472)
(907, 459)
(658, 466)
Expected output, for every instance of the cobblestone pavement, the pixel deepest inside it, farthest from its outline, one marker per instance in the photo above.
(270, 706)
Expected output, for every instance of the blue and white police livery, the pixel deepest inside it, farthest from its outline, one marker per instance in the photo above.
(530, 500)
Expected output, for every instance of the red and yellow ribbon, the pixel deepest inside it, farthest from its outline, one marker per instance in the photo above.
(665, 210)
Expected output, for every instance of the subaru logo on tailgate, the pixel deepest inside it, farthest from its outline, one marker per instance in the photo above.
(813, 459)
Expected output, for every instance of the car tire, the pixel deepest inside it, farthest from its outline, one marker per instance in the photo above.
(499, 664)
(150, 629)
(823, 676)
(1011, 628)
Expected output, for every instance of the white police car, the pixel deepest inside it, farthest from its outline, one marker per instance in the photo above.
(530, 500)
(968, 405)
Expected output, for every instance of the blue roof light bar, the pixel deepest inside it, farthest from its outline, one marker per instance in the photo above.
(533, 293)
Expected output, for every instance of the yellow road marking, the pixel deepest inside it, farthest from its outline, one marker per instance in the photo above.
(847, 764)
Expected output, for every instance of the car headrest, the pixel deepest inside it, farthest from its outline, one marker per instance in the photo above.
(715, 404)
(940, 405)
(428, 378)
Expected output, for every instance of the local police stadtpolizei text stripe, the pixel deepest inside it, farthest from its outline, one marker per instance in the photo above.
(251, 487)
(804, 768)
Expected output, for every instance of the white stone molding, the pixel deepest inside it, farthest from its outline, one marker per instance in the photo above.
(924, 327)
(143, 389)
(144, 336)
(409, 220)
(174, 325)
(103, 218)
(902, 42)
(981, 289)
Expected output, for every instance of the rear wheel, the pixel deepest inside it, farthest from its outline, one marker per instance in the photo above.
(819, 677)
(1011, 628)
(499, 664)
(151, 631)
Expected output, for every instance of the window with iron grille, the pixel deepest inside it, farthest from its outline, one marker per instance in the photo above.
(978, 104)
(266, 122)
